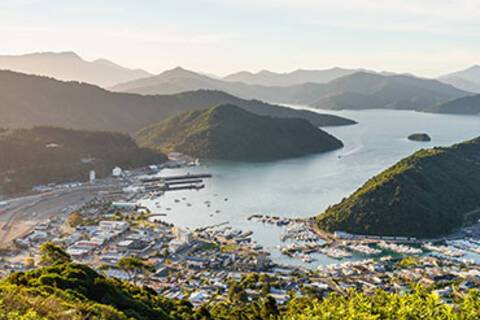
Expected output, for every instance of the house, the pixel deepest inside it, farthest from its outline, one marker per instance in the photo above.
(199, 297)
(176, 246)
(117, 172)
(113, 226)
(124, 205)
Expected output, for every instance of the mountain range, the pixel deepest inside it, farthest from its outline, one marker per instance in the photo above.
(358, 90)
(469, 105)
(27, 100)
(300, 76)
(69, 66)
(468, 79)
(227, 132)
(334, 88)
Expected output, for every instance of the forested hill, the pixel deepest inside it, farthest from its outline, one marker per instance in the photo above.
(27, 100)
(45, 154)
(427, 194)
(228, 132)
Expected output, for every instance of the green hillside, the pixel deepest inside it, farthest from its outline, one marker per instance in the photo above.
(45, 154)
(75, 292)
(427, 194)
(227, 132)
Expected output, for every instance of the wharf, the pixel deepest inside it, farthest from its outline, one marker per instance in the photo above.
(179, 177)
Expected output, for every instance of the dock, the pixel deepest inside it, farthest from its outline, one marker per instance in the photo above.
(177, 178)
(175, 183)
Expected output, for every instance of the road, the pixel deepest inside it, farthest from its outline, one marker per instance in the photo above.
(21, 215)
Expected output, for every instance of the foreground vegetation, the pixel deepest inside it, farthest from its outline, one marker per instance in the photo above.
(61, 289)
(228, 132)
(45, 154)
(428, 194)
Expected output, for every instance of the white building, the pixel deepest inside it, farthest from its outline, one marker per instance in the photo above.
(119, 226)
(175, 246)
(92, 176)
(199, 297)
(117, 172)
(182, 235)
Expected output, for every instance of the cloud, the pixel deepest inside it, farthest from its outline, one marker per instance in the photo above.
(435, 16)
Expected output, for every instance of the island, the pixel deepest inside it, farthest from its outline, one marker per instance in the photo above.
(426, 195)
(422, 137)
(228, 132)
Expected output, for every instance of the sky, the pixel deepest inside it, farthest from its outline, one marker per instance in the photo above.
(424, 37)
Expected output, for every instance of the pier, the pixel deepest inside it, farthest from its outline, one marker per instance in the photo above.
(177, 178)
(175, 183)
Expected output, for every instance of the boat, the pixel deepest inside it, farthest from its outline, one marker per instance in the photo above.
(307, 258)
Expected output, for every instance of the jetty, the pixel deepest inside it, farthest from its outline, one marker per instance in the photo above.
(178, 177)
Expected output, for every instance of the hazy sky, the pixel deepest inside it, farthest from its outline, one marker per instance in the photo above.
(426, 37)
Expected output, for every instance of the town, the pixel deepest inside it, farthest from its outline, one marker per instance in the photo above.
(107, 224)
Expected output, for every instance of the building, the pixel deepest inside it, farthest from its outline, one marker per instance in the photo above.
(117, 172)
(182, 235)
(176, 246)
(198, 297)
(92, 176)
(124, 205)
(113, 226)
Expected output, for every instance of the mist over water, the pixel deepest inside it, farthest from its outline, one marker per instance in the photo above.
(305, 186)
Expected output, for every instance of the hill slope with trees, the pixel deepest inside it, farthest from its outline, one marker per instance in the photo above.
(425, 195)
(45, 154)
(228, 132)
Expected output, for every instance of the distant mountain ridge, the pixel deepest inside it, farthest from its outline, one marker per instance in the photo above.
(469, 105)
(69, 66)
(27, 101)
(468, 79)
(366, 91)
(227, 132)
(300, 76)
(359, 90)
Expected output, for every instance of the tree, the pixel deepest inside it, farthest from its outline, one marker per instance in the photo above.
(53, 254)
(269, 308)
(134, 267)
(236, 293)
(29, 262)
(74, 219)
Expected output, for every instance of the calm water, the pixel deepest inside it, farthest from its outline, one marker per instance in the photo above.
(306, 186)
